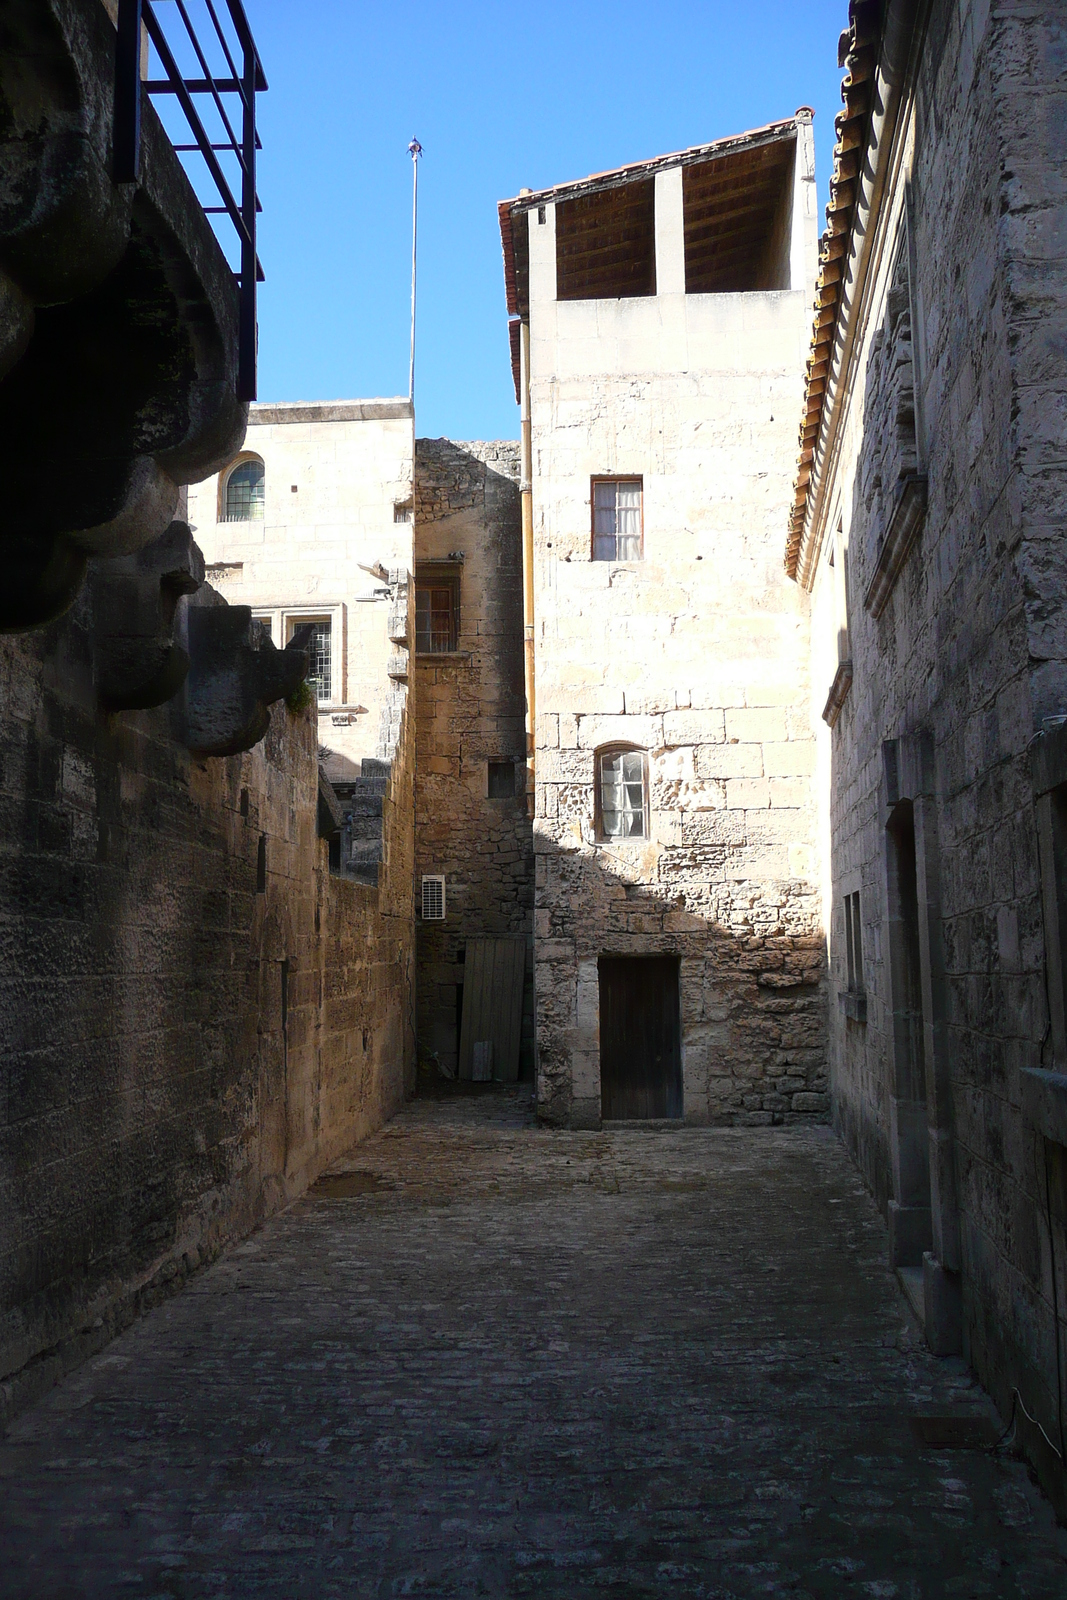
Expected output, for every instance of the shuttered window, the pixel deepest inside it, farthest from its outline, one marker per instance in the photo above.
(433, 898)
(436, 613)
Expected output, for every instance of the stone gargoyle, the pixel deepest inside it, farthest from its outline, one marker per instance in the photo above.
(137, 661)
(235, 673)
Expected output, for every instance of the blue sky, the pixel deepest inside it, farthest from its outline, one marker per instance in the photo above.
(499, 96)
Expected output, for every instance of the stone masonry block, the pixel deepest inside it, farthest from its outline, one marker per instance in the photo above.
(729, 761)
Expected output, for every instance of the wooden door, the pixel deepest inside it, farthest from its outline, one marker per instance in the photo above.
(640, 1038)
(493, 972)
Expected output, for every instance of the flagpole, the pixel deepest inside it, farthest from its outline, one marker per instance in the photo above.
(415, 151)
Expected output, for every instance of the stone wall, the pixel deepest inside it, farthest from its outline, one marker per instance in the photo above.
(697, 654)
(952, 680)
(470, 710)
(195, 1015)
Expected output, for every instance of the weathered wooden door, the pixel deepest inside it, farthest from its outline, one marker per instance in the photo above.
(492, 1004)
(640, 1038)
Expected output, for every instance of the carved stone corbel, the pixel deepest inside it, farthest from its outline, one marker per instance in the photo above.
(235, 674)
(137, 662)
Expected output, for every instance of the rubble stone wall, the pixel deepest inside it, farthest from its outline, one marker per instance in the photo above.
(470, 711)
(184, 1043)
(970, 650)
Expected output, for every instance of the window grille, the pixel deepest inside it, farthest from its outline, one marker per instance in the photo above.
(320, 654)
(501, 780)
(853, 941)
(436, 614)
(402, 511)
(616, 519)
(244, 492)
(623, 794)
(433, 898)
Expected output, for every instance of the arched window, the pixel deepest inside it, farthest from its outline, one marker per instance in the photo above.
(622, 794)
(244, 492)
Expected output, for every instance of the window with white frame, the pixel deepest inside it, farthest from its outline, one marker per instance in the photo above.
(622, 794)
(433, 897)
(243, 497)
(617, 519)
(320, 653)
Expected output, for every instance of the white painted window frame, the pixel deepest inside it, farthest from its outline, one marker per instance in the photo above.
(280, 617)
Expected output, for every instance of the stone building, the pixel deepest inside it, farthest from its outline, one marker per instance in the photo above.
(472, 827)
(927, 526)
(305, 525)
(660, 315)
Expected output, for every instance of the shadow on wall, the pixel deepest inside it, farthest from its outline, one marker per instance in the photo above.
(196, 1015)
(752, 980)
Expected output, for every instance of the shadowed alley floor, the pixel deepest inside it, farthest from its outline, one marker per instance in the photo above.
(505, 1361)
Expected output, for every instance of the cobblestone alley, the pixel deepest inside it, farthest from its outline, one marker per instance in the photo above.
(497, 1360)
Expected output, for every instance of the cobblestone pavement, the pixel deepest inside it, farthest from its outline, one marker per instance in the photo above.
(506, 1361)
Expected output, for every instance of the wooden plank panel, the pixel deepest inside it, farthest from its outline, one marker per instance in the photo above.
(492, 1004)
(640, 1038)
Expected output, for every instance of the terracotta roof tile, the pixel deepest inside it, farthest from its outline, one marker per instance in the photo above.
(857, 51)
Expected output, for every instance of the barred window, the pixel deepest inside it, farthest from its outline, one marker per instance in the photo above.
(320, 654)
(622, 794)
(436, 612)
(244, 492)
(617, 531)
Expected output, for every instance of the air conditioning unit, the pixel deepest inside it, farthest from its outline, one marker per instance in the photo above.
(433, 897)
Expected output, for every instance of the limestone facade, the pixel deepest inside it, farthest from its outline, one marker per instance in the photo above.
(929, 532)
(337, 500)
(471, 819)
(695, 653)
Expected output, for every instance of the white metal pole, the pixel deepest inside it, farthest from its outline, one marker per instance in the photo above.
(415, 151)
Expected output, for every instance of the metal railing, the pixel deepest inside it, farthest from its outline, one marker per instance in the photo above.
(141, 37)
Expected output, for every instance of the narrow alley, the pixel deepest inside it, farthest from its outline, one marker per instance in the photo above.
(486, 1358)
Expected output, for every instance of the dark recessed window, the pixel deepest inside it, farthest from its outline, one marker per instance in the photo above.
(854, 941)
(436, 612)
(244, 493)
(617, 519)
(501, 780)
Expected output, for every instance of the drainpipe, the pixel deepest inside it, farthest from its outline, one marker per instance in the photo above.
(526, 491)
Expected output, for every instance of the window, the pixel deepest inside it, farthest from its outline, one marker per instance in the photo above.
(436, 611)
(501, 780)
(403, 511)
(244, 493)
(622, 794)
(320, 653)
(854, 942)
(433, 898)
(617, 531)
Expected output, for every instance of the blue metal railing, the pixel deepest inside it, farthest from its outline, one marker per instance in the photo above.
(243, 78)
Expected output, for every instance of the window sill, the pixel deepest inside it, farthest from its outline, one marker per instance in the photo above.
(442, 655)
(838, 693)
(853, 1003)
(905, 523)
